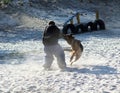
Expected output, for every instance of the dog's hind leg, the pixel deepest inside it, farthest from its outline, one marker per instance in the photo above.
(71, 58)
(72, 63)
(77, 57)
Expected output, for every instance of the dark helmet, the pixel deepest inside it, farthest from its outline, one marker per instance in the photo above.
(51, 23)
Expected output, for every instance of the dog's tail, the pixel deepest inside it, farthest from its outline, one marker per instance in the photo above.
(81, 47)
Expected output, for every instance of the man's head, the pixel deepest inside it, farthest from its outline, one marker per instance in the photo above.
(51, 23)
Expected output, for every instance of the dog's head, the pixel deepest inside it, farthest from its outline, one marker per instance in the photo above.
(68, 38)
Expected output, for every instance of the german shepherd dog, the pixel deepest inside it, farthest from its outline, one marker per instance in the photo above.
(77, 47)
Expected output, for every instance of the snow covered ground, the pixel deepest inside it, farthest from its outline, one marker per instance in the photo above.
(97, 71)
(22, 57)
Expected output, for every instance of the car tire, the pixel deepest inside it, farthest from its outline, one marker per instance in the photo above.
(67, 27)
(92, 26)
(81, 28)
(99, 24)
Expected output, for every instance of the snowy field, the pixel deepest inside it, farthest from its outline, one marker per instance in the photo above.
(22, 57)
(97, 71)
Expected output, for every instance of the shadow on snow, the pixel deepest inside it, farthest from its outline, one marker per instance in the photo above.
(11, 57)
(95, 69)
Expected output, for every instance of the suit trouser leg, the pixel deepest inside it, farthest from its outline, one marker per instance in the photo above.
(59, 53)
(48, 58)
